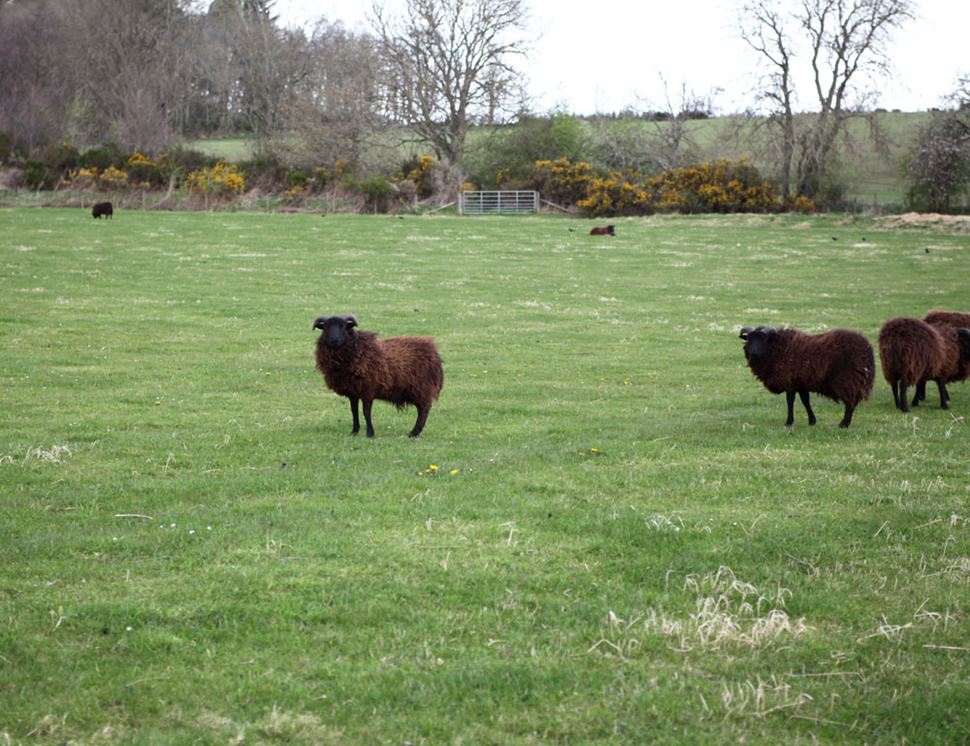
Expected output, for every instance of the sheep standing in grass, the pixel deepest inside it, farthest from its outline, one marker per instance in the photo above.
(358, 365)
(838, 364)
(912, 352)
(102, 208)
(947, 323)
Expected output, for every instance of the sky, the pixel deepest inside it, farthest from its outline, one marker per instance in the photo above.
(642, 54)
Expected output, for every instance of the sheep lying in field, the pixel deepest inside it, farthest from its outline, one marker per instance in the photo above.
(358, 365)
(838, 364)
(102, 208)
(608, 230)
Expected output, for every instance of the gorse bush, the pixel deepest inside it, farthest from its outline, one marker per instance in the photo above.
(720, 186)
(563, 181)
(222, 179)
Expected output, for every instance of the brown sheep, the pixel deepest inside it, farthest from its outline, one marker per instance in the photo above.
(912, 352)
(608, 230)
(957, 367)
(102, 208)
(358, 365)
(838, 364)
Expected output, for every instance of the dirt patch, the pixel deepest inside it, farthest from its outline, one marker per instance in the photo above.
(956, 223)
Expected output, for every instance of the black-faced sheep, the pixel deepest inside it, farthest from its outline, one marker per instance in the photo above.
(102, 208)
(912, 352)
(358, 365)
(608, 230)
(838, 364)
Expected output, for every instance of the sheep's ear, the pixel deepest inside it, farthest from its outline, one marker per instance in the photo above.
(745, 331)
(318, 324)
(350, 319)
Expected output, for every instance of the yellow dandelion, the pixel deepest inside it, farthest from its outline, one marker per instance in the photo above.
(454, 472)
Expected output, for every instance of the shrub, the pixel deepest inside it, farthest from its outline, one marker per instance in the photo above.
(563, 181)
(616, 195)
(420, 171)
(101, 157)
(179, 161)
(377, 192)
(143, 170)
(35, 174)
(83, 178)
(264, 171)
(221, 179)
(720, 186)
(113, 179)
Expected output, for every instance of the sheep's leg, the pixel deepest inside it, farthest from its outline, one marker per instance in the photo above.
(944, 396)
(847, 417)
(803, 395)
(353, 411)
(368, 403)
(419, 424)
(790, 400)
(920, 394)
(901, 401)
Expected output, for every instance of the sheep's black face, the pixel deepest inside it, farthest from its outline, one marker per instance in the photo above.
(336, 329)
(756, 343)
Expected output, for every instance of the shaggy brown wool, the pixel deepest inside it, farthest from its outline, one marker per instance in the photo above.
(911, 352)
(362, 367)
(838, 364)
(957, 366)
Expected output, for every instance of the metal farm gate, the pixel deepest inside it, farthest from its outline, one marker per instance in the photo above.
(503, 202)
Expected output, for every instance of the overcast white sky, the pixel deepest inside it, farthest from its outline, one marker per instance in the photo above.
(609, 55)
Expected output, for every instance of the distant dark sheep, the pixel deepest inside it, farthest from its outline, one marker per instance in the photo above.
(608, 230)
(912, 352)
(838, 364)
(358, 365)
(102, 208)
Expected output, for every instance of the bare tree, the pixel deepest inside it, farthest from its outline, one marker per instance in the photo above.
(266, 63)
(763, 28)
(334, 108)
(666, 142)
(448, 64)
(37, 79)
(846, 45)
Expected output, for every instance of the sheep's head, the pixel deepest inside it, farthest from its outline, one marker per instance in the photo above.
(757, 342)
(336, 329)
(963, 335)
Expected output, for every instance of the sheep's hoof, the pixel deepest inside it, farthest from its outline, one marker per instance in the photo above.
(844, 425)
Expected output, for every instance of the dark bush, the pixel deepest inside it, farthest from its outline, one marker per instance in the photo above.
(103, 156)
(264, 171)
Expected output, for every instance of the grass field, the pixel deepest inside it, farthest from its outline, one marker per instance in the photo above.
(605, 534)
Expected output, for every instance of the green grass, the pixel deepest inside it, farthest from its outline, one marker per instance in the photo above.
(234, 149)
(621, 543)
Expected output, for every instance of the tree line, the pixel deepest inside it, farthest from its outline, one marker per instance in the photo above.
(147, 74)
